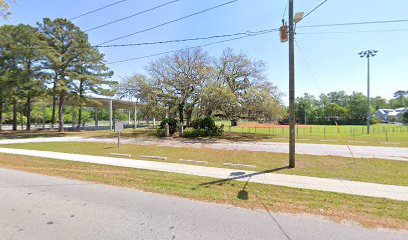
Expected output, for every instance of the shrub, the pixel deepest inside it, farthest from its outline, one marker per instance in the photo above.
(160, 132)
(405, 117)
(375, 120)
(203, 127)
(393, 119)
(172, 122)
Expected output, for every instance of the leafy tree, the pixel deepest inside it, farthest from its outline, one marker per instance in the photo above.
(29, 50)
(401, 95)
(219, 100)
(262, 102)
(91, 77)
(180, 77)
(379, 103)
(305, 108)
(68, 47)
(238, 72)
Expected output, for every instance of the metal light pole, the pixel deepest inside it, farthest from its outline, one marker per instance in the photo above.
(367, 54)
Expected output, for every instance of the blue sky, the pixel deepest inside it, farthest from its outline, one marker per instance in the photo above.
(332, 57)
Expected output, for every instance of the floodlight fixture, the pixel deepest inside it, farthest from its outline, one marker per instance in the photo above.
(298, 17)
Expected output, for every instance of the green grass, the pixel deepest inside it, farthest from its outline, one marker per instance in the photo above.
(367, 170)
(373, 212)
(381, 134)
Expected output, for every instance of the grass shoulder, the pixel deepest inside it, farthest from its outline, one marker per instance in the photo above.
(371, 212)
(366, 170)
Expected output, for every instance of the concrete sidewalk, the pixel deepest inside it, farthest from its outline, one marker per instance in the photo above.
(390, 153)
(314, 183)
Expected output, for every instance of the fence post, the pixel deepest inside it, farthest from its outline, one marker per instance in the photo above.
(297, 133)
(386, 135)
(255, 129)
(354, 135)
(324, 134)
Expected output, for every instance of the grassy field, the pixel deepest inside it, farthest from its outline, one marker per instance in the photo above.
(368, 170)
(371, 212)
(381, 134)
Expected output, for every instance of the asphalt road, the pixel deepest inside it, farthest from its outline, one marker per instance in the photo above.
(41, 207)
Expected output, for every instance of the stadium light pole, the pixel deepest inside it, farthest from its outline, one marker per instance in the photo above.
(368, 54)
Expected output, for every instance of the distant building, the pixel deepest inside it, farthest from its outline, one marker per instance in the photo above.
(387, 114)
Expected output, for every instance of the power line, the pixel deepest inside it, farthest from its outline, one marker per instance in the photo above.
(253, 34)
(307, 65)
(97, 10)
(169, 22)
(357, 31)
(355, 23)
(174, 41)
(314, 9)
(133, 15)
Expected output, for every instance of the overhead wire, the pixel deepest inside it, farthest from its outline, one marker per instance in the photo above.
(131, 16)
(354, 23)
(97, 10)
(168, 22)
(356, 31)
(314, 9)
(252, 34)
(174, 41)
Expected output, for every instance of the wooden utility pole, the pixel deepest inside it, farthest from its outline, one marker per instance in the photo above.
(292, 120)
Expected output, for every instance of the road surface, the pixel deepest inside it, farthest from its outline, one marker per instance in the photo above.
(39, 207)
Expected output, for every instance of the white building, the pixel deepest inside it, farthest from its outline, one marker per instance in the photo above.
(387, 114)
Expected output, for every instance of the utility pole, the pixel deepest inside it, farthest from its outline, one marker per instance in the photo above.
(292, 120)
(367, 54)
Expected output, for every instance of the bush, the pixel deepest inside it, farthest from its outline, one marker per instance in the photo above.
(172, 125)
(393, 119)
(203, 127)
(160, 132)
(375, 120)
(405, 117)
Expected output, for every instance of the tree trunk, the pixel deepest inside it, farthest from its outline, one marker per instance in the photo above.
(1, 116)
(181, 112)
(189, 116)
(79, 118)
(28, 114)
(14, 115)
(81, 93)
(61, 113)
(54, 102)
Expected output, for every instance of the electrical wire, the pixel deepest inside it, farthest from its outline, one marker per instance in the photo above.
(355, 23)
(174, 41)
(314, 9)
(252, 34)
(356, 31)
(307, 66)
(168, 22)
(97, 10)
(133, 15)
